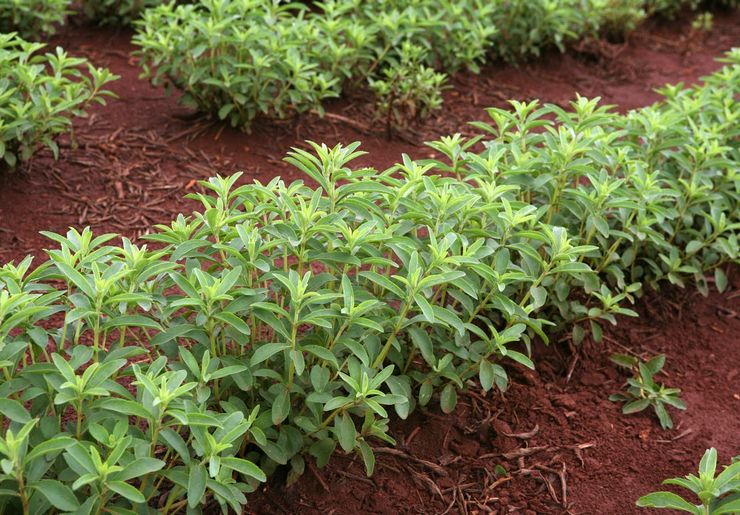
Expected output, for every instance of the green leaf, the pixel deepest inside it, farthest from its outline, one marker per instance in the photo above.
(125, 407)
(174, 440)
(384, 283)
(281, 407)
(196, 484)
(729, 507)
(266, 351)
(720, 279)
(58, 494)
(666, 500)
(448, 399)
(245, 467)
(127, 491)
(708, 463)
(487, 375)
(139, 468)
(231, 320)
(368, 457)
(322, 353)
(635, 406)
(57, 444)
(14, 410)
(344, 428)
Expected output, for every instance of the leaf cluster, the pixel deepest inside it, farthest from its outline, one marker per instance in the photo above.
(40, 94)
(655, 192)
(272, 59)
(718, 494)
(408, 90)
(31, 18)
(116, 12)
(642, 390)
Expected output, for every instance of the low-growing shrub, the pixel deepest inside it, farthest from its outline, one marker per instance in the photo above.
(39, 96)
(719, 494)
(643, 392)
(238, 59)
(656, 191)
(241, 58)
(408, 90)
(32, 18)
(283, 321)
(117, 11)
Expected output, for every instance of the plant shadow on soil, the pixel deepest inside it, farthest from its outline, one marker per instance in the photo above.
(567, 449)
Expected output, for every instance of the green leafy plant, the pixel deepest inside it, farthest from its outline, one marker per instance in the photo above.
(240, 59)
(117, 11)
(718, 494)
(39, 96)
(283, 322)
(290, 59)
(32, 18)
(643, 392)
(408, 90)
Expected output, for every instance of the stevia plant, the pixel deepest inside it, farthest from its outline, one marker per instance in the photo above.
(279, 322)
(39, 96)
(655, 191)
(32, 19)
(718, 493)
(291, 59)
(284, 322)
(408, 90)
(240, 59)
(643, 392)
(116, 11)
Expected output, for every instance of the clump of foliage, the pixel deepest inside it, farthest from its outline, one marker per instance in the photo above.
(276, 60)
(267, 60)
(40, 94)
(643, 392)
(284, 322)
(32, 18)
(718, 494)
(280, 321)
(408, 90)
(117, 11)
(240, 59)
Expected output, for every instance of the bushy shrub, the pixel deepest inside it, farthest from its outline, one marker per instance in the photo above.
(408, 90)
(39, 96)
(32, 19)
(239, 59)
(283, 321)
(242, 58)
(117, 11)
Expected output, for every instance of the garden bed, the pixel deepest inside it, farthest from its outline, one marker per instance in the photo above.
(139, 155)
(571, 449)
(563, 446)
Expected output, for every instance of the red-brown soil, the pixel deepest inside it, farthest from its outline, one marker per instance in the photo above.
(138, 156)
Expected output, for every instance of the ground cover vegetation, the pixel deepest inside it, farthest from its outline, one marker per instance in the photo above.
(237, 59)
(40, 93)
(285, 321)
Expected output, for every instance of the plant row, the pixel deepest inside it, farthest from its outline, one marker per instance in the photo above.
(39, 96)
(34, 19)
(285, 322)
(239, 59)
